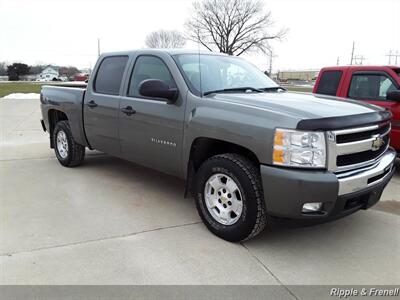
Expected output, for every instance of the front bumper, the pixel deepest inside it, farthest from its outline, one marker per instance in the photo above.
(287, 190)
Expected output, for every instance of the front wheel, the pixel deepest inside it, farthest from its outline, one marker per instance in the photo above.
(68, 152)
(229, 197)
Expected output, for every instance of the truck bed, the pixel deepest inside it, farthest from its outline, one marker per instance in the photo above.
(68, 100)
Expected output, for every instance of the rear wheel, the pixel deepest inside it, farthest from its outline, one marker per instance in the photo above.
(68, 152)
(229, 197)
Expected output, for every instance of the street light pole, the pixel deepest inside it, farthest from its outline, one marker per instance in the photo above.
(98, 47)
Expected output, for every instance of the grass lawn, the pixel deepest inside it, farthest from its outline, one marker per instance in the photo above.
(7, 88)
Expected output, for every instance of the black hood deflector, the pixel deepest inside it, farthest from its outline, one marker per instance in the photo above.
(344, 122)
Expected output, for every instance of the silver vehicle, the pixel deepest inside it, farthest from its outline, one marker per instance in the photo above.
(248, 149)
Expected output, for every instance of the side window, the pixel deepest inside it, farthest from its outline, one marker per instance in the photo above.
(148, 67)
(109, 75)
(370, 86)
(329, 82)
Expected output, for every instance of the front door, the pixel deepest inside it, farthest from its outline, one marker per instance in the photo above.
(101, 105)
(373, 88)
(151, 130)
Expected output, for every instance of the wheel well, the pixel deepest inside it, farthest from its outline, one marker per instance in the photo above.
(204, 148)
(55, 116)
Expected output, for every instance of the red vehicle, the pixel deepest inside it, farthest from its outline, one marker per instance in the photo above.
(373, 84)
(81, 77)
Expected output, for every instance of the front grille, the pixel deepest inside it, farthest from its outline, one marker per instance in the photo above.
(356, 158)
(352, 137)
(357, 147)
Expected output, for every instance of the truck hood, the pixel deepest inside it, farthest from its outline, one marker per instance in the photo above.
(299, 105)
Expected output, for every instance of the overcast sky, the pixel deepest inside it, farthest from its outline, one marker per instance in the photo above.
(65, 32)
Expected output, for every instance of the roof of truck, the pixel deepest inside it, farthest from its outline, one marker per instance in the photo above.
(169, 51)
(360, 67)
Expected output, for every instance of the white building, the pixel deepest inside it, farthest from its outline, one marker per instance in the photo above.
(48, 74)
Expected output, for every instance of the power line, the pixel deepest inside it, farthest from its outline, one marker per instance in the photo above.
(394, 55)
(358, 59)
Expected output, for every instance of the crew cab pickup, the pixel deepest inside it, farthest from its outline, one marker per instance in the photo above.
(248, 149)
(373, 84)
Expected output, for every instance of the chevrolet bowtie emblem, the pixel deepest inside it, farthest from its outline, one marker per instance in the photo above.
(377, 143)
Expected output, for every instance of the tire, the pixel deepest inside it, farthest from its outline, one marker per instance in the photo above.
(251, 219)
(68, 152)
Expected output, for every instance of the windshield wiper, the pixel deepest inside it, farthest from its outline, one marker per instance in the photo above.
(274, 88)
(238, 89)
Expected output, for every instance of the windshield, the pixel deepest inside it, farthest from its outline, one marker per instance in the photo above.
(220, 73)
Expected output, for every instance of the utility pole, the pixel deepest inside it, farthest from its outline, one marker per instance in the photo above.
(394, 55)
(358, 59)
(271, 57)
(352, 54)
(390, 57)
(337, 61)
(98, 47)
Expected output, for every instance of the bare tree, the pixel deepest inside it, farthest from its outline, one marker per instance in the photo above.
(165, 39)
(3, 69)
(232, 26)
(68, 71)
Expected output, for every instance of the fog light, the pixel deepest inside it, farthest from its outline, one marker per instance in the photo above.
(312, 207)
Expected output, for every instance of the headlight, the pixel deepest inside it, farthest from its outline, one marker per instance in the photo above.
(299, 149)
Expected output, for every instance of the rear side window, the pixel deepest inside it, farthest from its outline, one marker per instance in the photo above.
(329, 83)
(109, 76)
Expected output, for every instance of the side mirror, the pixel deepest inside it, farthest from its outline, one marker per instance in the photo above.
(155, 88)
(394, 95)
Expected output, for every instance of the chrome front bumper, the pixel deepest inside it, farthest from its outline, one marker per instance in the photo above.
(362, 178)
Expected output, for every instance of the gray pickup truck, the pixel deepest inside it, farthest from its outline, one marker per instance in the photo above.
(248, 149)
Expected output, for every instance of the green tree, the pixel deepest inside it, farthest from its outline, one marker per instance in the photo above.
(17, 69)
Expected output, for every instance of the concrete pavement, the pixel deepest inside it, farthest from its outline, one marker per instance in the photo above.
(113, 222)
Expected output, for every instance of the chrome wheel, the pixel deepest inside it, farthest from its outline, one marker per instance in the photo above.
(62, 144)
(223, 199)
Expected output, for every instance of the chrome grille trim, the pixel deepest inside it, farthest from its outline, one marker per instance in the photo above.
(360, 129)
(335, 149)
(359, 165)
(355, 130)
(358, 146)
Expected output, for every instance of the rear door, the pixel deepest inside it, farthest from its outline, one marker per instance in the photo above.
(101, 105)
(152, 133)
